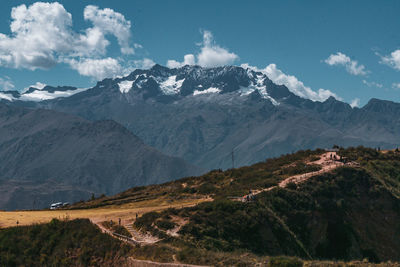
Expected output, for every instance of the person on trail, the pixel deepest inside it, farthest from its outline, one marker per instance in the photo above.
(136, 215)
(119, 221)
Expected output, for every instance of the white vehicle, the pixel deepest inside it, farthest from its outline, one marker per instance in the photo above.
(56, 205)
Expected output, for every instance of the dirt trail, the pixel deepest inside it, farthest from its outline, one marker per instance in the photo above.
(327, 163)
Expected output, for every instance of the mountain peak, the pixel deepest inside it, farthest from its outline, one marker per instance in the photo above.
(377, 105)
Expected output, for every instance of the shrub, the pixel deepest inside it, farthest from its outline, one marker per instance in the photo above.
(67, 243)
(285, 262)
(165, 224)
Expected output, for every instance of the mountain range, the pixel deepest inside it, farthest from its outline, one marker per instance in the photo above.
(205, 114)
(48, 156)
(198, 118)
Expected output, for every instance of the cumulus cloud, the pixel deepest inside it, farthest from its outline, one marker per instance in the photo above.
(393, 60)
(292, 83)
(38, 32)
(372, 84)
(145, 63)
(210, 55)
(107, 21)
(6, 84)
(96, 68)
(188, 59)
(355, 103)
(396, 85)
(37, 85)
(352, 66)
(42, 36)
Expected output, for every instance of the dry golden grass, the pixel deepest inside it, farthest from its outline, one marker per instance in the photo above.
(127, 212)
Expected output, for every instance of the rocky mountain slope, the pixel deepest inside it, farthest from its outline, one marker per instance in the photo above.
(203, 114)
(47, 156)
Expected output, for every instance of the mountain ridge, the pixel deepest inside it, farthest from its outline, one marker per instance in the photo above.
(48, 156)
(203, 114)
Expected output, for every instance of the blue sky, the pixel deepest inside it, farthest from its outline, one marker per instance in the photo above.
(350, 49)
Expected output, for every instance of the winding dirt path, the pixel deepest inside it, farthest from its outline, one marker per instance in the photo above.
(327, 163)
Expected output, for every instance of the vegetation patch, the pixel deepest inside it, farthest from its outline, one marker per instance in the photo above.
(114, 227)
(60, 243)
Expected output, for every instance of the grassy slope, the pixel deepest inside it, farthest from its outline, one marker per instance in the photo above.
(217, 183)
(59, 243)
(351, 213)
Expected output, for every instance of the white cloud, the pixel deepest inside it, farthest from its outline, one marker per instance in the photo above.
(38, 32)
(210, 55)
(110, 22)
(393, 60)
(355, 103)
(292, 83)
(352, 66)
(6, 84)
(145, 63)
(42, 36)
(188, 59)
(37, 85)
(396, 85)
(96, 68)
(372, 84)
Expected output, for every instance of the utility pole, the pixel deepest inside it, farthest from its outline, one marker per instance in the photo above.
(233, 159)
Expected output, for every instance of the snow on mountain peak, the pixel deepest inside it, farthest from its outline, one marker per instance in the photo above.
(6, 96)
(40, 95)
(37, 85)
(211, 90)
(257, 83)
(171, 86)
(125, 86)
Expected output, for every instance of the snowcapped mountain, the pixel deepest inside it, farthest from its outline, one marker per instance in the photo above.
(41, 93)
(203, 114)
(194, 80)
(162, 83)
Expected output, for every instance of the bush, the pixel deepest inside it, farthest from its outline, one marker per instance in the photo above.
(285, 262)
(165, 224)
(59, 243)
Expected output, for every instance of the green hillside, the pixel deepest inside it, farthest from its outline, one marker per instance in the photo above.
(345, 216)
(351, 213)
(60, 243)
